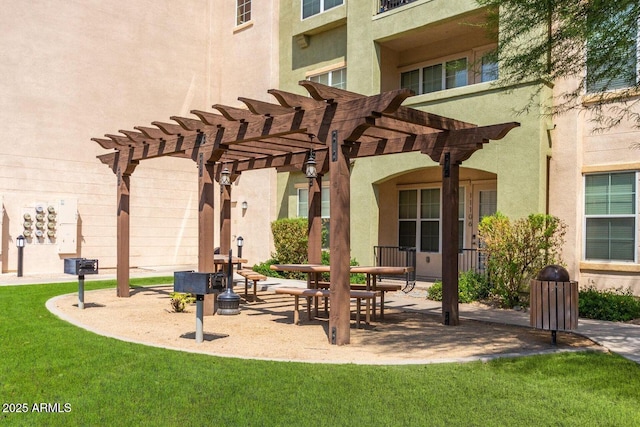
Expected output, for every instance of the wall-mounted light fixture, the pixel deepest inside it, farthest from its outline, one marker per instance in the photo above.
(244, 205)
(225, 177)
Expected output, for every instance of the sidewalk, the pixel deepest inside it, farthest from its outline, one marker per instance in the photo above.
(621, 338)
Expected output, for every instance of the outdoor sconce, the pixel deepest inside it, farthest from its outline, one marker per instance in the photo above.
(245, 205)
(311, 171)
(225, 177)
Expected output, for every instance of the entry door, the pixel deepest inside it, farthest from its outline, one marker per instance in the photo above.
(485, 203)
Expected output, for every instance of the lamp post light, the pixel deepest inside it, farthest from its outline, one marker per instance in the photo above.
(20, 241)
(240, 241)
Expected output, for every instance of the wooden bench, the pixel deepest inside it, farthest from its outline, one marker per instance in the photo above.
(324, 293)
(383, 288)
(251, 275)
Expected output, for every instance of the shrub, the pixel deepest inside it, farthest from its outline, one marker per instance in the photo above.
(180, 301)
(471, 287)
(353, 278)
(608, 304)
(265, 268)
(290, 240)
(517, 251)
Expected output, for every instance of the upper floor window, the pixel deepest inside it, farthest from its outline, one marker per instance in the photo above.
(243, 11)
(612, 55)
(610, 216)
(336, 78)
(314, 7)
(449, 73)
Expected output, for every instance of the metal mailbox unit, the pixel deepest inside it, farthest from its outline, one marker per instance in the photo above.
(79, 267)
(200, 284)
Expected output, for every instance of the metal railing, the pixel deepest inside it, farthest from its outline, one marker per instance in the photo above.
(471, 260)
(386, 5)
(397, 256)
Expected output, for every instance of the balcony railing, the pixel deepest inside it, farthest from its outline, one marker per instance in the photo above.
(386, 5)
(394, 256)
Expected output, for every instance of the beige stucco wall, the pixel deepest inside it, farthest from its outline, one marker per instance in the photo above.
(73, 70)
(579, 149)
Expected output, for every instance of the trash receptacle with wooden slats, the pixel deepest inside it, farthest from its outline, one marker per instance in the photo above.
(554, 301)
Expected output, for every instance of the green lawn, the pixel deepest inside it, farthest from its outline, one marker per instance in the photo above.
(100, 381)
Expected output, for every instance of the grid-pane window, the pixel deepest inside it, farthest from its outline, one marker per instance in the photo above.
(410, 80)
(489, 68)
(432, 78)
(303, 211)
(243, 11)
(335, 78)
(488, 203)
(610, 216)
(314, 7)
(430, 220)
(612, 54)
(456, 73)
(407, 214)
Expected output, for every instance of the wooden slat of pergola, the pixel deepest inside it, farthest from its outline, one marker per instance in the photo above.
(340, 126)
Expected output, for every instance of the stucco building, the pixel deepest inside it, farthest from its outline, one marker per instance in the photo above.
(76, 70)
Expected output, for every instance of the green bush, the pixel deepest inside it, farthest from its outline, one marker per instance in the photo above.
(180, 301)
(518, 250)
(471, 287)
(353, 278)
(265, 268)
(609, 304)
(290, 238)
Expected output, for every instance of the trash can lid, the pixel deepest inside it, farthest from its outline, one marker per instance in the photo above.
(553, 273)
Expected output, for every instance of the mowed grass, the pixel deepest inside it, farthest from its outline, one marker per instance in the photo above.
(105, 382)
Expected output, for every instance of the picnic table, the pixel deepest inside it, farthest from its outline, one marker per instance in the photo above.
(314, 272)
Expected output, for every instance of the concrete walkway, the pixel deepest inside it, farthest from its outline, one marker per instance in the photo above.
(621, 338)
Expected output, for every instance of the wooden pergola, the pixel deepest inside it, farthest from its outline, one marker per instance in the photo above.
(337, 126)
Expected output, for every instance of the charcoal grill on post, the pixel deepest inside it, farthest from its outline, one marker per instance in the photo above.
(79, 267)
(200, 284)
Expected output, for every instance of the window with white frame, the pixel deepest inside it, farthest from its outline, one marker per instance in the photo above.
(243, 11)
(451, 72)
(314, 7)
(419, 219)
(619, 69)
(610, 216)
(303, 211)
(336, 78)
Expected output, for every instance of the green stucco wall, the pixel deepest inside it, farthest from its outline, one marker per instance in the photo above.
(350, 34)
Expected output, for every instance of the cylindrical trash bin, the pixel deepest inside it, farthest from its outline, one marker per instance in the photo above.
(554, 301)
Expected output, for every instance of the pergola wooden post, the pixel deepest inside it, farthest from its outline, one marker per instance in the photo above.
(225, 219)
(122, 253)
(314, 217)
(206, 229)
(450, 234)
(345, 126)
(339, 241)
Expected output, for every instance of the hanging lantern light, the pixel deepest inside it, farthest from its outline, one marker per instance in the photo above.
(225, 177)
(311, 171)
